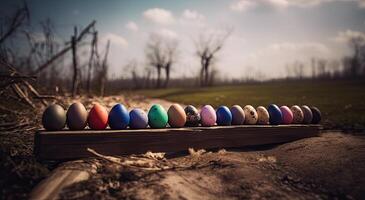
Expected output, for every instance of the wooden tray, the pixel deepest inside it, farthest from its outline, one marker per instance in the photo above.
(66, 144)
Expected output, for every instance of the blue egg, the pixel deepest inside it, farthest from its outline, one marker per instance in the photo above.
(138, 119)
(276, 117)
(118, 117)
(224, 116)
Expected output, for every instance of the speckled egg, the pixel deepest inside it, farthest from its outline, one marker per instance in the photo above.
(238, 115)
(157, 116)
(263, 115)
(192, 116)
(308, 116)
(208, 116)
(287, 115)
(224, 116)
(177, 116)
(138, 119)
(76, 116)
(276, 117)
(317, 116)
(298, 115)
(118, 117)
(54, 118)
(250, 114)
(98, 117)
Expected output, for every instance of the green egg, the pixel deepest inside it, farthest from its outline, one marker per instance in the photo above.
(157, 117)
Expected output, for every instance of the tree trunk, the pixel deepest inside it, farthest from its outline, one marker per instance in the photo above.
(158, 84)
(167, 70)
(75, 81)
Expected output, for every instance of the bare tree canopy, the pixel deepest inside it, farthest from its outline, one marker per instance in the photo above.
(207, 47)
(161, 54)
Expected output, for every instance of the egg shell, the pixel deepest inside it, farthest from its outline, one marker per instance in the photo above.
(287, 115)
(157, 116)
(276, 117)
(192, 116)
(263, 115)
(177, 116)
(238, 115)
(317, 116)
(98, 117)
(250, 114)
(208, 116)
(298, 114)
(118, 117)
(138, 119)
(54, 118)
(224, 116)
(76, 116)
(308, 116)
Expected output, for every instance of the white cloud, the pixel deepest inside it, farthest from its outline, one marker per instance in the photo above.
(192, 15)
(132, 26)
(115, 40)
(244, 5)
(166, 33)
(345, 36)
(159, 16)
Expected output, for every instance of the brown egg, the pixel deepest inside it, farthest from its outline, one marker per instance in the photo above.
(177, 116)
(76, 116)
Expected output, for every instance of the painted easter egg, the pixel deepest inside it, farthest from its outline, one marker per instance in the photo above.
(208, 116)
(118, 117)
(263, 116)
(138, 119)
(177, 116)
(54, 118)
(276, 117)
(98, 117)
(224, 116)
(76, 116)
(287, 115)
(250, 114)
(317, 116)
(192, 116)
(238, 115)
(298, 114)
(308, 116)
(157, 116)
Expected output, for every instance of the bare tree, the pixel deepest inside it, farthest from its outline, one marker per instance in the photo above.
(75, 77)
(357, 44)
(207, 48)
(161, 54)
(20, 17)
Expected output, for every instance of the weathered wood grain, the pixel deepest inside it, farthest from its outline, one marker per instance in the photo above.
(64, 145)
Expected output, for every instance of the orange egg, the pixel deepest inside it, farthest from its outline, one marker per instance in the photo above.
(98, 117)
(177, 116)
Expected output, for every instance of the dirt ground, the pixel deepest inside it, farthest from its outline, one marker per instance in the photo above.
(325, 167)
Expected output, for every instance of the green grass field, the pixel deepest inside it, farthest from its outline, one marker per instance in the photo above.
(342, 102)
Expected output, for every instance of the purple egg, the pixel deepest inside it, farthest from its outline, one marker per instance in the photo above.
(238, 115)
(138, 119)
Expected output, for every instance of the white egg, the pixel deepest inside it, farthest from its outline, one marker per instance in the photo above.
(250, 115)
(263, 115)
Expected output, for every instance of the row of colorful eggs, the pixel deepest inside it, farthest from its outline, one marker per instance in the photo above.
(77, 117)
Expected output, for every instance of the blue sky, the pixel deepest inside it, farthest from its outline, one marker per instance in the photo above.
(267, 34)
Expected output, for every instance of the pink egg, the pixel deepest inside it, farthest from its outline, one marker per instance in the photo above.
(208, 116)
(287, 115)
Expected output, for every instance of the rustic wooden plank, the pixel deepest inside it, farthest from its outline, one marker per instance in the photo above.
(66, 144)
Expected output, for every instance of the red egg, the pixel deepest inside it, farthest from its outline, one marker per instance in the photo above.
(98, 117)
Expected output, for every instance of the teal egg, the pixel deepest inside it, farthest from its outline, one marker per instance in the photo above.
(157, 116)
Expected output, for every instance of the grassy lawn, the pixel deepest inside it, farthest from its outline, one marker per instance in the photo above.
(342, 102)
